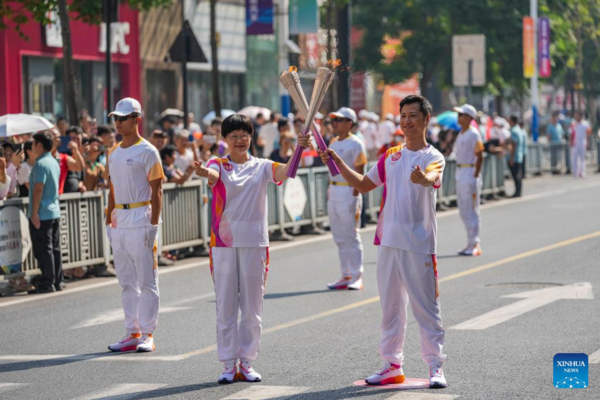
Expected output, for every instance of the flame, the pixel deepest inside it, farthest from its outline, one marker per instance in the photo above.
(334, 63)
(292, 69)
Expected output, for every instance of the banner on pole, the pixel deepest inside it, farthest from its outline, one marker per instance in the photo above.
(304, 16)
(528, 47)
(259, 17)
(544, 47)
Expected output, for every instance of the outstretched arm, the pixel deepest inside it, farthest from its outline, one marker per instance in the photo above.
(359, 182)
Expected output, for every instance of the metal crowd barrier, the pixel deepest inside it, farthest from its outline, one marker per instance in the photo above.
(186, 208)
(556, 157)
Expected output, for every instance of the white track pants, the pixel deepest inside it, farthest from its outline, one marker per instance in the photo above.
(240, 278)
(403, 277)
(578, 161)
(344, 220)
(468, 192)
(136, 264)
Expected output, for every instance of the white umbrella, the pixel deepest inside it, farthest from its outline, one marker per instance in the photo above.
(253, 111)
(212, 115)
(171, 112)
(18, 124)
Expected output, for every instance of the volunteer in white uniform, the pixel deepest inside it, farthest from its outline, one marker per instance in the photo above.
(469, 158)
(406, 236)
(134, 204)
(344, 204)
(239, 257)
(580, 131)
(367, 131)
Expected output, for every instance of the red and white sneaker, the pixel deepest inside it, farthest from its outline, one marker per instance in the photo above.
(471, 252)
(247, 373)
(342, 284)
(229, 372)
(437, 380)
(356, 285)
(128, 343)
(146, 344)
(389, 374)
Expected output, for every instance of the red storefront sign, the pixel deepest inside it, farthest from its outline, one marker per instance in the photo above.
(44, 42)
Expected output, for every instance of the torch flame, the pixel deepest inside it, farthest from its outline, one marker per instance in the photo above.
(334, 63)
(292, 69)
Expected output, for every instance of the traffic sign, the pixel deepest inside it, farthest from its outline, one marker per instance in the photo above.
(467, 48)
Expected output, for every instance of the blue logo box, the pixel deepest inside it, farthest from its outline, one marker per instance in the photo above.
(571, 371)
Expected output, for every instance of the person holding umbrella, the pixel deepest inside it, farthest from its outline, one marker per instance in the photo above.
(239, 252)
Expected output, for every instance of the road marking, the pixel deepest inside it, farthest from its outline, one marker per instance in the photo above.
(7, 387)
(422, 396)
(532, 299)
(328, 236)
(594, 358)
(123, 391)
(117, 315)
(261, 392)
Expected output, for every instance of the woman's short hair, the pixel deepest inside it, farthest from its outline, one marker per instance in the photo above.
(236, 122)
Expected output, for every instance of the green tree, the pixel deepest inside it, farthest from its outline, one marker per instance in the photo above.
(18, 12)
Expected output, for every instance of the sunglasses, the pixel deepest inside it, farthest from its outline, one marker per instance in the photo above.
(119, 118)
(339, 119)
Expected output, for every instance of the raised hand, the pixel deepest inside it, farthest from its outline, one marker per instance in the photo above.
(305, 141)
(201, 170)
(325, 156)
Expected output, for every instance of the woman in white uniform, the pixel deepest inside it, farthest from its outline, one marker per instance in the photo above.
(239, 259)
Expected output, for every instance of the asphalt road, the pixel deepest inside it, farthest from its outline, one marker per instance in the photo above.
(316, 343)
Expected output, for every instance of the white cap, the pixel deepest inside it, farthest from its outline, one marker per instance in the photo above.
(389, 116)
(467, 109)
(344, 112)
(374, 117)
(127, 106)
(397, 119)
(363, 114)
(318, 115)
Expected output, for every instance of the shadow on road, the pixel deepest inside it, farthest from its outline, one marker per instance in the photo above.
(34, 364)
(448, 256)
(340, 394)
(170, 391)
(293, 294)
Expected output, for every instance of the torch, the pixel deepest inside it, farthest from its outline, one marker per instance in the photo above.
(291, 82)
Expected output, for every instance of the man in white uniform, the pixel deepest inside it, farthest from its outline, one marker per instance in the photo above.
(344, 204)
(406, 236)
(132, 221)
(367, 131)
(469, 158)
(579, 133)
(387, 129)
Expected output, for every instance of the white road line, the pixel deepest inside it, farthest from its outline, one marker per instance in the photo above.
(594, 358)
(266, 392)
(123, 390)
(194, 264)
(422, 396)
(7, 387)
(117, 315)
(89, 357)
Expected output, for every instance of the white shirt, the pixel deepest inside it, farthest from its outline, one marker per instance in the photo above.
(352, 151)
(239, 205)
(580, 129)
(467, 143)
(386, 132)
(131, 171)
(407, 218)
(270, 134)
(184, 161)
(367, 131)
(24, 172)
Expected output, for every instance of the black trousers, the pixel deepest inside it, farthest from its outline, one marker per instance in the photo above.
(46, 249)
(517, 173)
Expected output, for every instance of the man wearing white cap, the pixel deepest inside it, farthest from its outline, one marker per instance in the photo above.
(132, 222)
(469, 158)
(344, 204)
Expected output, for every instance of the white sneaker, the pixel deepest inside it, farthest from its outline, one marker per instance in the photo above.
(247, 373)
(146, 344)
(342, 284)
(358, 285)
(471, 251)
(437, 380)
(229, 372)
(128, 343)
(388, 375)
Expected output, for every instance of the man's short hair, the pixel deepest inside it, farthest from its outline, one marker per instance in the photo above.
(236, 122)
(74, 129)
(169, 150)
(7, 145)
(94, 140)
(61, 119)
(514, 119)
(259, 115)
(425, 105)
(161, 133)
(104, 129)
(46, 138)
(182, 134)
(282, 123)
(216, 121)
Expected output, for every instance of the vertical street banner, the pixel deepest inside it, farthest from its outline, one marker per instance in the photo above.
(259, 17)
(528, 47)
(544, 47)
(304, 16)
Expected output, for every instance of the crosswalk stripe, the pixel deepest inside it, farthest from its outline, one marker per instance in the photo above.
(422, 396)
(261, 392)
(594, 358)
(7, 387)
(123, 390)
